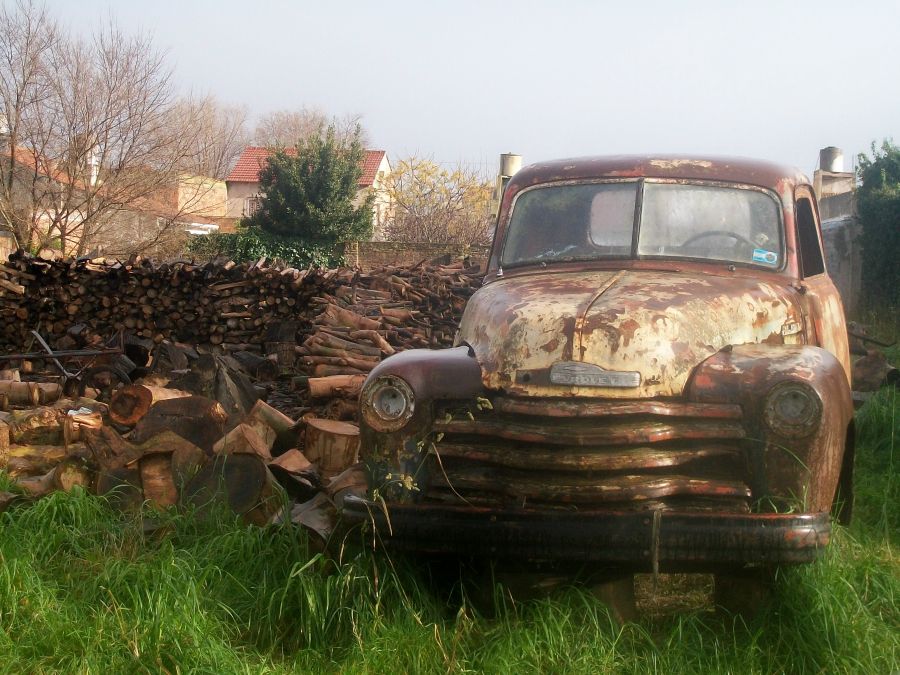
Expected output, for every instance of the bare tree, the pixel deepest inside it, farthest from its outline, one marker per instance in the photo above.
(285, 128)
(432, 204)
(95, 135)
(27, 36)
(219, 133)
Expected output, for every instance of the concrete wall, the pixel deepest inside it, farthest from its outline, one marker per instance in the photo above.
(840, 235)
(238, 194)
(370, 254)
(843, 258)
(202, 196)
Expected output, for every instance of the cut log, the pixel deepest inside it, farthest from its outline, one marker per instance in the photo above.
(4, 439)
(338, 316)
(111, 451)
(130, 403)
(244, 439)
(236, 480)
(296, 474)
(293, 461)
(375, 338)
(71, 472)
(122, 487)
(158, 481)
(195, 418)
(73, 426)
(187, 460)
(345, 386)
(10, 375)
(30, 393)
(331, 444)
(18, 289)
(271, 503)
(32, 460)
(37, 486)
(39, 425)
(274, 427)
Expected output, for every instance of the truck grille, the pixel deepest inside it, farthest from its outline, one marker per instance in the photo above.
(588, 454)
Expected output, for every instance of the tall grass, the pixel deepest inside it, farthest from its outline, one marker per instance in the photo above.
(84, 588)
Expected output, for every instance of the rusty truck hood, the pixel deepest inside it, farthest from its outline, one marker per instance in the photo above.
(659, 324)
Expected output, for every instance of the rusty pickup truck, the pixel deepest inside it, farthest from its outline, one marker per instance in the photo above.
(654, 376)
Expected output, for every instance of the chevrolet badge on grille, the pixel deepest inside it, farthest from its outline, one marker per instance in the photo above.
(589, 375)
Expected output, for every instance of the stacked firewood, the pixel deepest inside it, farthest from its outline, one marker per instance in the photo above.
(222, 303)
(374, 316)
(187, 437)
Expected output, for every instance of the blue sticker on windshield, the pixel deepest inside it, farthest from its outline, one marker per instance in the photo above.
(761, 255)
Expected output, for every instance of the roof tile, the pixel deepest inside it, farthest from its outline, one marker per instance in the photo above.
(253, 158)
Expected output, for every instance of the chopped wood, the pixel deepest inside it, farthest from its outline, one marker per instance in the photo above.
(31, 460)
(331, 444)
(130, 403)
(346, 386)
(237, 480)
(243, 439)
(271, 425)
(37, 486)
(293, 461)
(158, 480)
(197, 419)
(75, 424)
(72, 472)
(30, 393)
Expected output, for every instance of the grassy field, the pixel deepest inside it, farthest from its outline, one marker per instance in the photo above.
(86, 589)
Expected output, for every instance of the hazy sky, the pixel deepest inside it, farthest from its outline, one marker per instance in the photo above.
(465, 81)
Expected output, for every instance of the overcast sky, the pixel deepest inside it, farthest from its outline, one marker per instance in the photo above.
(465, 81)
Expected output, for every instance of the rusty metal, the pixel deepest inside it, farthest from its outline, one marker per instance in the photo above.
(677, 540)
(674, 402)
(83, 375)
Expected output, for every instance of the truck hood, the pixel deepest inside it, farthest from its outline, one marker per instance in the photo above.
(636, 333)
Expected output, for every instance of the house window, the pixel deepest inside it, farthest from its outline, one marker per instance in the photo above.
(251, 206)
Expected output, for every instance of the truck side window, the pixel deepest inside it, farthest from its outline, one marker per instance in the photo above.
(811, 262)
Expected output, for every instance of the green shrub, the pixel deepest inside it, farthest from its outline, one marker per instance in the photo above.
(878, 204)
(251, 243)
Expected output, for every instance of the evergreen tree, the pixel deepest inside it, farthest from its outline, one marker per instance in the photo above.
(308, 195)
(878, 204)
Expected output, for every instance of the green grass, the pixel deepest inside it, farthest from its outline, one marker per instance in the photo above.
(83, 588)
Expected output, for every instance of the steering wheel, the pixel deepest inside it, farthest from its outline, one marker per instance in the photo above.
(719, 233)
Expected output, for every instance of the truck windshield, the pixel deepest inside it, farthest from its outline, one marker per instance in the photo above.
(595, 221)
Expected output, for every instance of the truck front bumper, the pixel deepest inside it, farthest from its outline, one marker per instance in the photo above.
(641, 540)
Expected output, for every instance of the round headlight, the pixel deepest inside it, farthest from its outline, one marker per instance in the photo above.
(387, 403)
(793, 409)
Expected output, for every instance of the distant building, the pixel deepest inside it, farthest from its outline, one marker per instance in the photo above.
(244, 194)
(56, 199)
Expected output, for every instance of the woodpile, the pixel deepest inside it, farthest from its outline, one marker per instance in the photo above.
(357, 317)
(205, 344)
(179, 453)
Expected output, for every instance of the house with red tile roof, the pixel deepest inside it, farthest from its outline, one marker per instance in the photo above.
(56, 200)
(243, 183)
